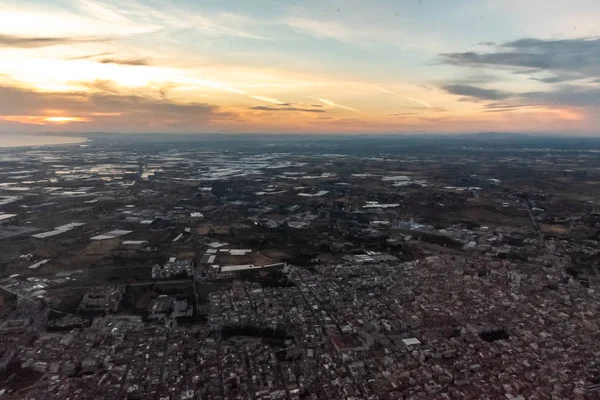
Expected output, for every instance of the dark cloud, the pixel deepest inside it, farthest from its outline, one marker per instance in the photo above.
(134, 109)
(506, 107)
(568, 95)
(476, 78)
(35, 42)
(578, 58)
(554, 79)
(503, 106)
(553, 62)
(513, 59)
(267, 108)
(316, 105)
(476, 93)
(562, 96)
(122, 61)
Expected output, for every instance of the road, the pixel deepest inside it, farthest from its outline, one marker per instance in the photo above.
(533, 222)
(182, 281)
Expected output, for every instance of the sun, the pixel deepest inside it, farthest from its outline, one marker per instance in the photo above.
(64, 120)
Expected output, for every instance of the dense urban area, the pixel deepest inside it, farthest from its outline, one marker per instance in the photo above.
(296, 268)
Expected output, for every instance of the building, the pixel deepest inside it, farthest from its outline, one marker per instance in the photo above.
(6, 218)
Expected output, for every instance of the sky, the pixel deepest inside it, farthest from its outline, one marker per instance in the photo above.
(300, 66)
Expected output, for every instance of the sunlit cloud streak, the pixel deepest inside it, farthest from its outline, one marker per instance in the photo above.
(421, 102)
(227, 88)
(267, 108)
(332, 104)
(268, 99)
(122, 61)
(32, 42)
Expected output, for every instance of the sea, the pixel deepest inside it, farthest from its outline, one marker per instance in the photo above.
(14, 140)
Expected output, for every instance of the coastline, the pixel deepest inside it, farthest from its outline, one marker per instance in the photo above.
(9, 141)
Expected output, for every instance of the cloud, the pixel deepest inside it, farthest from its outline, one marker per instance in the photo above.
(504, 106)
(402, 114)
(434, 119)
(120, 61)
(556, 78)
(362, 29)
(474, 92)
(30, 42)
(268, 100)
(229, 89)
(123, 19)
(566, 95)
(164, 90)
(101, 85)
(42, 120)
(167, 16)
(507, 107)
(503, 110)
(116, 108)
(53, 21)
(267, 108)
(88, 56)
(322, 29)
(553, 62)
(567, 59)
(332, 104)
(421, 102)
(562, 96)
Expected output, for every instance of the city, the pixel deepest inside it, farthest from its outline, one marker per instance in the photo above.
(300, 268)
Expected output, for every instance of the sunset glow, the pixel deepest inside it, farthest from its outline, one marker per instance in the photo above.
(144, 66)
(40, 120)
(64, 120)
